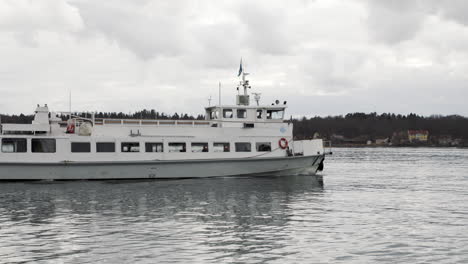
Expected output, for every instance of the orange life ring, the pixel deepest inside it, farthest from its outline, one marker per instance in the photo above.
(283, 143)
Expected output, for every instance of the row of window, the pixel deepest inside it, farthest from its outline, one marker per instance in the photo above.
(10, 145)
(242, 114)
(38, 145)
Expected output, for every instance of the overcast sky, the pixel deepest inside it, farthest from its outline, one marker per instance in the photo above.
(324, 57)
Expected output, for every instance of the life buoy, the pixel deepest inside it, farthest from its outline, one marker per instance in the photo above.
(71, 128)
(283, 143)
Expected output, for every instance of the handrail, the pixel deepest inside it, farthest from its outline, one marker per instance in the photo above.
(151, 122)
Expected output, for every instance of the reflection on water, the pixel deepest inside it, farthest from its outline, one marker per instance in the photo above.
(186, 220)
(376, 206)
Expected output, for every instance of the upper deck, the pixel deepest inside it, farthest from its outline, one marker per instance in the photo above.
(243, 118)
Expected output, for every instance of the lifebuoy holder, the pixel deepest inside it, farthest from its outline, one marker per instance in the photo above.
(283, 143)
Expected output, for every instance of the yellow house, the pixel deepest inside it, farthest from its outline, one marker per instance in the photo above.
(418, 135)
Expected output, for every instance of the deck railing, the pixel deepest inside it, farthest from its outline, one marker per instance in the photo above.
(147, 122)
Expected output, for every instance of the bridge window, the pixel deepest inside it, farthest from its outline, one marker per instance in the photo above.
(259, 114)
(214, 114)
(177, 147)
(199, 147)
(43, 145)
(243, 147)
(130, 147)
(80, 147)
(221, 147)
(105, 147)
(263, 146)
(275, 114)
(154, 147)
(241, 113)
(227, 113)
(12, 145)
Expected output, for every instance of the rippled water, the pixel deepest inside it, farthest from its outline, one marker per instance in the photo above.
(393, 205)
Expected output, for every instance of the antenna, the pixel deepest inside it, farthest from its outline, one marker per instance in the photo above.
(219, 93)
(209, 101)
(257, 97)
(69, 105)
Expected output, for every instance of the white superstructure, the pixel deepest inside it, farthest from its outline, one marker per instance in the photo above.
(239, 139)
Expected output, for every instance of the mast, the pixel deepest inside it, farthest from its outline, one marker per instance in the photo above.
(245, 83)
(69, 105)
(245, 98)
(219, 94)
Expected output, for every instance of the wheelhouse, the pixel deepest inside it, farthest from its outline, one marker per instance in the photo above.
(243, 114)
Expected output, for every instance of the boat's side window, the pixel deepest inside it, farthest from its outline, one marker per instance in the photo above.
(154, 147)
(199, 147)
(177, 147)
(105, 147)
(80, 147)
(275, 114)
(259, 114)
(221, 147)
(227, 113)
(241, 113)
(243, 147)
(263, 146)
(43, 145)
(12, 145)
(130, 147)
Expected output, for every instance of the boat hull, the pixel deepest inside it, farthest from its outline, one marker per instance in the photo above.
(298, 165)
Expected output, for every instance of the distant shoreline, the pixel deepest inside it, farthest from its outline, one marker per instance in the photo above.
(407, 146)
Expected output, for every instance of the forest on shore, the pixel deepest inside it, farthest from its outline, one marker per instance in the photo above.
(356, 127)
(384, 125)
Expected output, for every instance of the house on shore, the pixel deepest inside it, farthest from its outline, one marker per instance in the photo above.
(418, 136)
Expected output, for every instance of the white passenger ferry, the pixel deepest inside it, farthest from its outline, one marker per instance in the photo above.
(233, 140)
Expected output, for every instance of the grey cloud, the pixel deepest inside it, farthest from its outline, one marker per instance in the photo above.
(173, 30)
(394, 21)
(26, 18)
(422, 92)
(455, 10)
(333, 71)
(265, 26)
(145, 34)
(215, 46)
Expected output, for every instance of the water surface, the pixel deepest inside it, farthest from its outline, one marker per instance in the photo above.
(374, 205)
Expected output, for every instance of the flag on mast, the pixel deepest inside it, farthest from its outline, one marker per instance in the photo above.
(240, 68)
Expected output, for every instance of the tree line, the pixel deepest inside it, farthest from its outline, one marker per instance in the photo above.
(374, 126)
(146, 114)
(143, 114)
